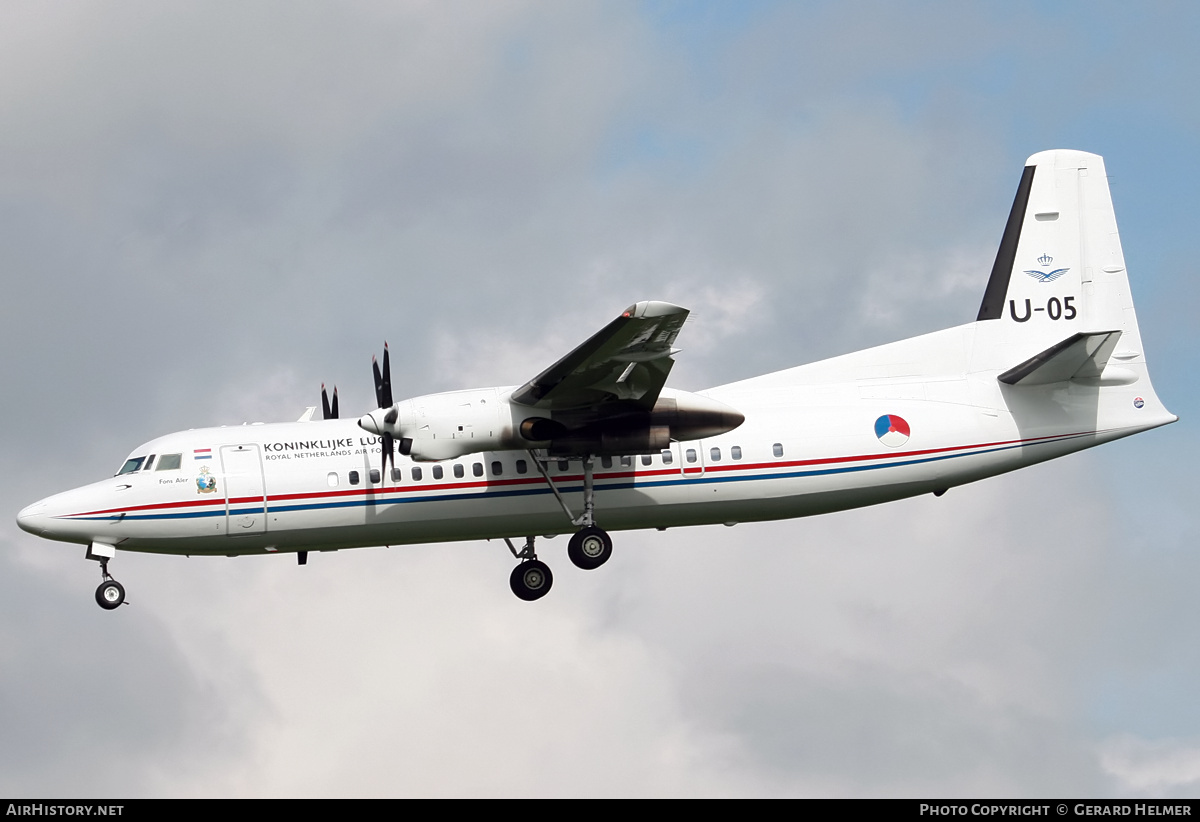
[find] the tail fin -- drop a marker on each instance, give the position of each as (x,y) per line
(1057,310)
(1059,271)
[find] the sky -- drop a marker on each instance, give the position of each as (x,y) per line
(206,211)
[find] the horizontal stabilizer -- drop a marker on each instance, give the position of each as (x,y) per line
(1081,356)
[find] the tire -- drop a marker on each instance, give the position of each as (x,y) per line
(531,580)
(590,548)
(110,595)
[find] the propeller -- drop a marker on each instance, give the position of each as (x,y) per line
(330,411)
(383,381)
(383,395)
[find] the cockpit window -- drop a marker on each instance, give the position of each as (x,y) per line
(169,462)
(132,464)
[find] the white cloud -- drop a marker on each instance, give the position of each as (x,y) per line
(1168,767)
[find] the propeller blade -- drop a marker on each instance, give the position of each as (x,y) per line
(383,395)
(388,453)
(328,412)
(387,379)
(378,382)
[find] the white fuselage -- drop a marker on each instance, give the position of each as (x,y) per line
(809,445)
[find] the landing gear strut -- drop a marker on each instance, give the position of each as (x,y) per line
(591,546)
(110,594)
(532,578)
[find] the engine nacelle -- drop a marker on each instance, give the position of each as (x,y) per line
(448,425)
(678,415)
(455,423)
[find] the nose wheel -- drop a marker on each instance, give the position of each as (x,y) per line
(110,594)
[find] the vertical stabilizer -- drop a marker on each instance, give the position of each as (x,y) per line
(1059,270)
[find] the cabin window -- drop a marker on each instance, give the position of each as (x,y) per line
(397,474)
(690,456)
(736,452)
(477,469)
(777,449)
(331,478)
(522,466)
(458,470)
(169,462)
(668,457)
(437,472)
(132,464)
(374,475)
(606,462)
(715,453)
(354,478)
(497,468)
(627,461)
(646,459)
(149,462)
(416,473)
(563,465)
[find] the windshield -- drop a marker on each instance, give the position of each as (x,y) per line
(132,464)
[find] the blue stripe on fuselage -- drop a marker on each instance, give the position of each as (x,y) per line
(698,479)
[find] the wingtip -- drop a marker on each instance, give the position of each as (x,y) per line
(653,308)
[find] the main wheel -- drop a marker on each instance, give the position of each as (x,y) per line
(590,548)
(531,580)
(110,594)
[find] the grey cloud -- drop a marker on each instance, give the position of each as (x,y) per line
(101,707)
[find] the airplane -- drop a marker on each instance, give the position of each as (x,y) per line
(1052,364)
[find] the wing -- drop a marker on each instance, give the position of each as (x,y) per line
(628,361)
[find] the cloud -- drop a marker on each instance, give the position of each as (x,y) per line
(1153,768)
(106,707)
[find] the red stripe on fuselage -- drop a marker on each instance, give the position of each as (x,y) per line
(567,478)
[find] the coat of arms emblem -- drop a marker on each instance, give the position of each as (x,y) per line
(205,483)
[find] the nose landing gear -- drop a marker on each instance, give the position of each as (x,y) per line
(110,594)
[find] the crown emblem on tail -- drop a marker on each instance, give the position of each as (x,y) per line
(1046,276)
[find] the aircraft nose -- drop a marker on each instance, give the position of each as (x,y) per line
(32,518)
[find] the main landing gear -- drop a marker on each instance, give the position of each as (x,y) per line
(589,548)
(111,594)
(532,578)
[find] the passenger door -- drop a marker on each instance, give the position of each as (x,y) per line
(245,491)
